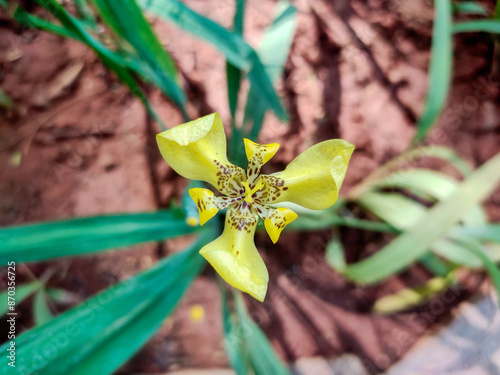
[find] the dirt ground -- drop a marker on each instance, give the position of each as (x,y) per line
(77,143)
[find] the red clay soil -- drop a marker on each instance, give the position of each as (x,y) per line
(357,70)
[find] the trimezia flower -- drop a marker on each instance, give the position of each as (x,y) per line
(197,150)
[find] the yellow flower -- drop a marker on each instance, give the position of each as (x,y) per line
(197,150)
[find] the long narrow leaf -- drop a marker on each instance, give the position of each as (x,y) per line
(487,26)
(236,50)
(236,348)
(439,70)
(36,242)
(262,355)
(411,245)
(41,310)
(72,27)
(126,19)
(21,293)
(100,335)
(233,74)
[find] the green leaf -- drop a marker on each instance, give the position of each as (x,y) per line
(262,355)
(407,160)
(126,19)
(486,232)
(425,183)
(36,242)
(100,335)
(21,293)
(236,348)
(439,70)
(77,30)
(492,269)
(335,255)
(3,3)
(233,74)
(470,7)
(41,310)
(232,45)
(414,243)
(273,53)
(487,26)
(394,208)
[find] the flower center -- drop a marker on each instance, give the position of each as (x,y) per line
(249,191)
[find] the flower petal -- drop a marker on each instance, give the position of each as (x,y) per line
(197,150)
(235,257)
(257,156)
(277,220)
(208,204)
(313,179)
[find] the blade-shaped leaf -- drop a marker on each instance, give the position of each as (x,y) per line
(21,293)
(470,7)
(490,267)
(232,45)
(425,183)
(76,29)
(414,243)
(41,310)
(126,19)
(487,26)
(236,348)
(233,74)
(440,68)
(98,336)
(36,242)
(262,354)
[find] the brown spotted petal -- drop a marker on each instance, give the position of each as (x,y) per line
(235,257)
(197,150)
(313,179)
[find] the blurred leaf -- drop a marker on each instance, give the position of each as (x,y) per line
(487,26)
(407,161)
(233,74)
(394,208)
(22,292)
(100,335)
(411,297)
(414,243)
(232,45)
(273,53)
(41,311)
(403,213)
(486,232)
(492,269)
(237,351)
(335,252)
(262,355)
(34,242)
(5,100)
(62,296)
(73,28)
(440,68)
(435,265)
(470,7)
(85,12)
(3,3)
(126,19)
(426,182)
